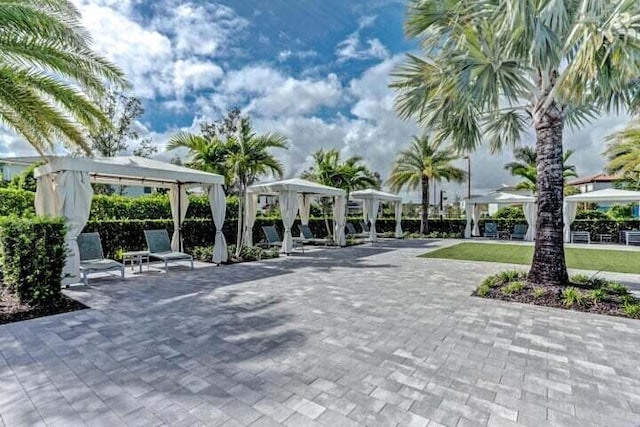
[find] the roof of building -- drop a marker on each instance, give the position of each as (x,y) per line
(601,177)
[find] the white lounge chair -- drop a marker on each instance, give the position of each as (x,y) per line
(160,248)
(92,258)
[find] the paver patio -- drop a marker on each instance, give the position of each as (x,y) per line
(363,335)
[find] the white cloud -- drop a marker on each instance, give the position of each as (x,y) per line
(354,48)
(287,54)
(194,75)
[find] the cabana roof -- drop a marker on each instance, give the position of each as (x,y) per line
(606,195)
(128,170)
(375,194)
(500,197)
(297,185)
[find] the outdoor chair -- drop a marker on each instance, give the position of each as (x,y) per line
(306,235)
(365,227)
(491,230)
(580,237)
(92,258)
(160,248)
(519,232)
(273,238)
(351,232)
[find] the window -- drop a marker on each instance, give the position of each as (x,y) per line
(147,190)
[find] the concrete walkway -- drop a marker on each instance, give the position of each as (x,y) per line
(335,337)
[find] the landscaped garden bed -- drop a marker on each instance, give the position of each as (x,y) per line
(12,310)
(588,294)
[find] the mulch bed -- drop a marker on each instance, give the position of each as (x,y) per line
(553,298)
(11,310)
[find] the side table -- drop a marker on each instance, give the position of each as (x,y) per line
(135,257)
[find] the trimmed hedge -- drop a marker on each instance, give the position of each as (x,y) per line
(32,256)
(17,202)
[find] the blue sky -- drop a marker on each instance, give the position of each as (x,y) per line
(316,71)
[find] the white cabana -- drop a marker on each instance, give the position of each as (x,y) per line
(295,195)
(371,205)
(64,189)
(472,208)
(607,195)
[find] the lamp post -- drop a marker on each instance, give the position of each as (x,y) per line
(468,159)
(442,198)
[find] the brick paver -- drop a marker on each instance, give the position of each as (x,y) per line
(356,336)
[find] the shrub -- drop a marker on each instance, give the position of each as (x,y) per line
(32,255)
(484,290)
(597,295)
(492,282)
(580,279)
(572,297)
(591,214)
(203,253)
(617,289)
(513,288)
(632,310)
(17,202)
(510,212)
(512,275)
(539,292)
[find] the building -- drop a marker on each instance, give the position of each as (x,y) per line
(600,181)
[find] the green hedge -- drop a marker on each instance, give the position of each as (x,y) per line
(32,256)
(16,202)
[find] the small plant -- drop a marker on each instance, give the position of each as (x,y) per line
(572,297)
(597,282)
(539,292)
(491,282)
(203,253)
(580,279)
(513,288)
(483,290)
(512,275)
(628,299)
(617,289)
(632,310)
(597,295)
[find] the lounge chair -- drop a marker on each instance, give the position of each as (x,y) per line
(519,232)
(160,248)
(491,230)
(365,227)
(580,236)
(273,238)
(306,236)
(92,258)
(351,232)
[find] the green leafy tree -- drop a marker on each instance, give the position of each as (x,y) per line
(525,167)
(145,149)
(113,138)
(423,162)
(51,79)
(348,175)
(232,149)
(493,69)
(623,155)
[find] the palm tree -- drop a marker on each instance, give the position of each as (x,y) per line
(623,154)
(493,68)
(350,175)
(525,167)
(241,157)
(51,79)
(424,161)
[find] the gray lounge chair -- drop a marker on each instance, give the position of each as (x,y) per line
(306,235)
(92,258)
(491,230)
(273,238)
(351,232)
(160,248)
(519,232)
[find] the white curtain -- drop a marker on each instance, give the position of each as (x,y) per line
(74,195)
(530,216)
(218,204)
(304,204)
(372,213)
(570,211)
(46,201)
(468,208)
(365,209)
(178,193)
(399,220)
(475,216)
(288,211)
(250,211)
(339,220)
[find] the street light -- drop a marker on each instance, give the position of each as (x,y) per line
(468,159)
(442,198)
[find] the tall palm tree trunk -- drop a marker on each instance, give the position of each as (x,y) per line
(424,216)
(549,267)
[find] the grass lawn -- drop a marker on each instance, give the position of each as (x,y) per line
(584,259)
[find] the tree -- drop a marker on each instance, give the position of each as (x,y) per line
(525,167)
(348,175)
(423,162)
(491,69)
(112,138)
(231,148)
(623,155)
(145,149)
(51,79)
